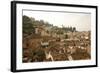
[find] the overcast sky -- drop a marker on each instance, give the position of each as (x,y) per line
(81,21)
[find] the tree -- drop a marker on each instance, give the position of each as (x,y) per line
(66,36)
(74,29)
(41,22)
(27,25)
